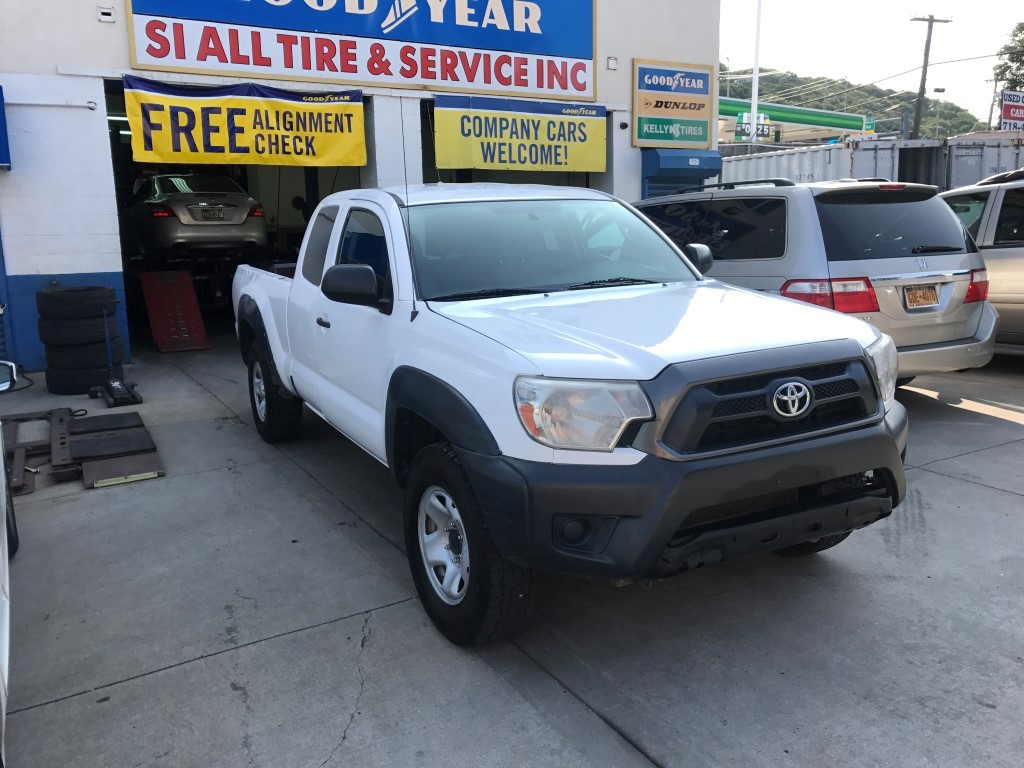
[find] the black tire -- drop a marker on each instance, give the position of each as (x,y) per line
(12,525)
(281,417)
(70,333)
(78,381)
(812,547)
(75,303)
(499,596)
(904,382)
(85,355)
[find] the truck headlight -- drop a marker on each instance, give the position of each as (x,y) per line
(579,415)
(885,361)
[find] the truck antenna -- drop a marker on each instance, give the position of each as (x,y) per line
(405,214)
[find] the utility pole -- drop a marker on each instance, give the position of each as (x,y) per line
(932,21)
(755,82)
(992,105)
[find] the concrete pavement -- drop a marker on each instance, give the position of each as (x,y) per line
(254,608)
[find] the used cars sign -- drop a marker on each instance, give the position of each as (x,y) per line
(524,47)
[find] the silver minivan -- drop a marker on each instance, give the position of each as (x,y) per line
(893,254)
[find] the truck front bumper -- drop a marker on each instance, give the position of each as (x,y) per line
(660,517)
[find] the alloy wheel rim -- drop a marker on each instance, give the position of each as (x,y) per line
(443,545)
(259,391)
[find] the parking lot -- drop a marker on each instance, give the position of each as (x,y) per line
(254,608)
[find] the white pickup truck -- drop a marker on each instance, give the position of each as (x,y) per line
(558,388)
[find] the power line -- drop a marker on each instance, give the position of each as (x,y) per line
(906,72)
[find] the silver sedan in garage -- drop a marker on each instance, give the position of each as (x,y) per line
(180,213)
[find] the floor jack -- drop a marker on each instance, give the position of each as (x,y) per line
(115,391)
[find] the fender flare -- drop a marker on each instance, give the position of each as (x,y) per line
(442,405)
(249,314)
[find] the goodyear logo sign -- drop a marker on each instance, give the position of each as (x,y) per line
(672,105)
(246,124)
(526,47)
(504,134)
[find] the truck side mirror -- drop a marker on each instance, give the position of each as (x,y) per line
(351,284)
(8,375)
(700,256)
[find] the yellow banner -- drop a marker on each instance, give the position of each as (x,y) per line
(503,134)
(247,124)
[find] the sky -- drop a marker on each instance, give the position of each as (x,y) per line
(867,41)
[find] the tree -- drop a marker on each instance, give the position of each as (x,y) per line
(1010,69)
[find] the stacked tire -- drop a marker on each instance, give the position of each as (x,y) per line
(74,326)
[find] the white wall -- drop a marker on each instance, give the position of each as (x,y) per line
(57,202)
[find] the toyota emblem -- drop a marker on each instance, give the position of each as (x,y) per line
(792,400)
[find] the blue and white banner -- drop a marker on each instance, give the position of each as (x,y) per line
(515,47)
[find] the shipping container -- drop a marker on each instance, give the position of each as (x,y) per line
(944,163)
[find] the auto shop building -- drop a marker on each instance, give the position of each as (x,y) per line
(294,99)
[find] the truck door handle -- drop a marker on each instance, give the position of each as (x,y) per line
(323,322)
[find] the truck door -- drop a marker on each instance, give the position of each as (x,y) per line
(352,342)
(304,303)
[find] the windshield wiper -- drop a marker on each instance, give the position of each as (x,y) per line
(488,293)
(611,281)
(937,249)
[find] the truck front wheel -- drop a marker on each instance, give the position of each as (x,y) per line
(470,592)
(277,417)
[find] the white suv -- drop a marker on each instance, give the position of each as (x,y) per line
(889,253)
(993,212)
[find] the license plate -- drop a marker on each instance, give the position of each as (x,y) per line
(921,296)
(211,214)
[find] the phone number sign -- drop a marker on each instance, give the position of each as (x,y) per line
(672,105)
(1013,111)
(514,47)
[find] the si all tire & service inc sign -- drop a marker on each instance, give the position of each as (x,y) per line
(542,48)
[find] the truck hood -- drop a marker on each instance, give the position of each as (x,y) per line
(635,332)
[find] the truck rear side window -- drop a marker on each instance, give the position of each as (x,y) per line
(316,245)
(888,225)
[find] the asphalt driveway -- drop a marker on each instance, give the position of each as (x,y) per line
(254,608)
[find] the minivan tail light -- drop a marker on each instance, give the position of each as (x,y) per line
(854,296)
(978,289)
(850,295)
(257,211)
(892,187)
(161,211)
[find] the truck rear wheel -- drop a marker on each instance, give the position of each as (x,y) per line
(811,547)
(470,592)
(277,416)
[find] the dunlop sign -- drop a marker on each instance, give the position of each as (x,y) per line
(672,105)
(505,134)
(246,124)
(536,48)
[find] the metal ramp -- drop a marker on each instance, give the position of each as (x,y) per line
(173,310)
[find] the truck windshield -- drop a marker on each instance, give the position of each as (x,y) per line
(495,248)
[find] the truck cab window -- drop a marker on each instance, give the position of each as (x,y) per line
(364,242)
(316,248)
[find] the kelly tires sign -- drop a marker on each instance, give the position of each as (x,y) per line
(507,134)
(672,105)
(524,47)
(246,124)
(1013,111)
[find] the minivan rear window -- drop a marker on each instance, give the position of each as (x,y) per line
(888,225)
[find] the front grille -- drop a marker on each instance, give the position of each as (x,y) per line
(737,413)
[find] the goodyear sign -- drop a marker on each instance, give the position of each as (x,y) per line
(523,47)
(246,124)
(504,134)
(672,105)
